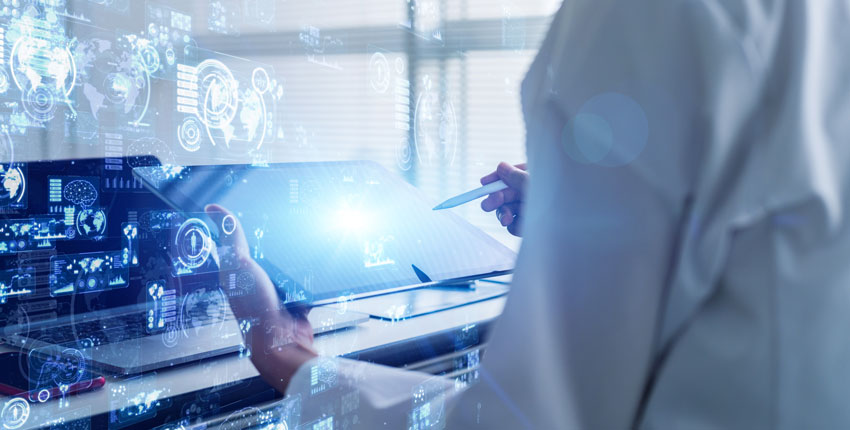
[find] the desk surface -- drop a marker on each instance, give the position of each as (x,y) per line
(371,341)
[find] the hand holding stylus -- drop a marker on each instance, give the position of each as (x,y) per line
(508,203)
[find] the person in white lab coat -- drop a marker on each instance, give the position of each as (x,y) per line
(686,232)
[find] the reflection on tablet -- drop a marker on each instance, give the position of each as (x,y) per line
(323,230)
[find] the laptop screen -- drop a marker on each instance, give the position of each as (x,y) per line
(327,230)
(85,235)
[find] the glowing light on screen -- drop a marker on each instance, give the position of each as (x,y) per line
(351,220)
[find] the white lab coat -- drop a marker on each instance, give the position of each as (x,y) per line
(704,283)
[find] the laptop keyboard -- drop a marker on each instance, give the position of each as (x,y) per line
(110,330)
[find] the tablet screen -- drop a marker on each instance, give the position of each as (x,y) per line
(334,229)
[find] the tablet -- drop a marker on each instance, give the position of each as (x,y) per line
(331,230)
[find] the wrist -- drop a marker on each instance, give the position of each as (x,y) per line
(279,366)
(278,353)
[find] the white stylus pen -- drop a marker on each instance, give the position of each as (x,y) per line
(471,195)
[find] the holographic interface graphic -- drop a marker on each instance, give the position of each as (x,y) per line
(101,274)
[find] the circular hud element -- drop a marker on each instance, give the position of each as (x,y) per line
(171,335)
(189,134)
(150,57)
(404,156)
(228,224)
(260,80)
(40,103)
(15,413)
(43,395)
(379,69)
(91,223)
(219,93)
(13,185)
(193,243)
(39,59)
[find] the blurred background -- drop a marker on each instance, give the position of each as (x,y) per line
(429,89)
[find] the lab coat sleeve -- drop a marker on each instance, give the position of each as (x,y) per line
(577,343)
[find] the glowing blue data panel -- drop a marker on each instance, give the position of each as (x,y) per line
(58,366)
(87,273)
(224,102)
(429,406)
(18,235)
(136,399)
(13,187)
(77,191)
(336,228)
(130,244)
(192,246)
(162,306)
(16,283)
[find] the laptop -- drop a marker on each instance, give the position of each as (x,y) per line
(90,263)
(326,233)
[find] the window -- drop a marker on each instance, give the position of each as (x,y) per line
(355,72)
(351,78)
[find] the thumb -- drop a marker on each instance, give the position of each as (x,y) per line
(512,176)
(232,239)
(235,255)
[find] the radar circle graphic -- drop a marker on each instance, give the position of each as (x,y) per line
(220,93)
(435,129)
(43,395)
(379,69)
(70,367)
(40,103)
(260,80)
(150,58)
(189,134)
(228,224)
(404,156)
(193,243)
(171,335)
(15,413)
